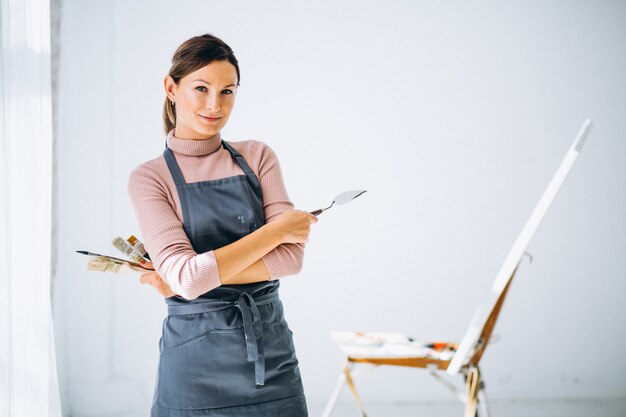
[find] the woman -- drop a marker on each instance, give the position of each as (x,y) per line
(220,230)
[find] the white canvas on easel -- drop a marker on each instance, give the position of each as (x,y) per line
(470,341)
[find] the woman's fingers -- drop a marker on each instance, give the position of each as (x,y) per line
(165,290)
(157,282)
(146,264)
(295,225)
(147,278)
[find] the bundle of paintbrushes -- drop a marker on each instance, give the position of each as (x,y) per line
(132,248)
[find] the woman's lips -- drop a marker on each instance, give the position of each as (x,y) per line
(210,119)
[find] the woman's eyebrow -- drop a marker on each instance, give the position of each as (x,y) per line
(229,85)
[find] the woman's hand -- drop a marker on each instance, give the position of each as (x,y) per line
(294,226)
(156,281)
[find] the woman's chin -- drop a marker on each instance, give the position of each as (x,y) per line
(208,132)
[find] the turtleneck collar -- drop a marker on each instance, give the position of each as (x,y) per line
(194,147)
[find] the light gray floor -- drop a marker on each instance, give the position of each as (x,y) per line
(530,408)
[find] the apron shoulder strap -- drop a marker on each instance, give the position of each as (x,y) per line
(238,158)
(242,163)
(177,175)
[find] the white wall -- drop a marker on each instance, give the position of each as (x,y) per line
(453,115)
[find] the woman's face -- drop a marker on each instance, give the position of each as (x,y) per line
(203,100)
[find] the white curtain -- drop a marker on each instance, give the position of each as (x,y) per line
(28,377)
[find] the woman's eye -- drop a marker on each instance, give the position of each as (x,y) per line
(227,91)
(200,87)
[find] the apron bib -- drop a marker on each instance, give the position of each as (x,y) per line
(230,351)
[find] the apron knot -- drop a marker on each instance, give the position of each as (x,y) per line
(253,332)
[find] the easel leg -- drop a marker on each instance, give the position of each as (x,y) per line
(482,401)
(346,370)
(335,396)
(472,384)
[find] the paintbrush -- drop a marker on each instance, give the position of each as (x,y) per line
(104,264)
(137,245)
(127,249)
(114,260)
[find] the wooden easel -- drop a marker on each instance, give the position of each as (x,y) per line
(474,394)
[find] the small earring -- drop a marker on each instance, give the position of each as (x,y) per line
(172,102)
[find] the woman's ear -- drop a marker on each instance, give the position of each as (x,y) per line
(170,87)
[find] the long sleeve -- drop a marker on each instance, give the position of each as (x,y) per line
(188,274)
(287,258)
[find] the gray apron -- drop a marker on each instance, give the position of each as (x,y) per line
(228,352)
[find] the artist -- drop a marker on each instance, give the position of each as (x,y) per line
(220,230)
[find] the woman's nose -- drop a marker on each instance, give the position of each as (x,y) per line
(213,102)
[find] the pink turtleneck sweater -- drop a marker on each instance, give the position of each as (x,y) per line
(153,194)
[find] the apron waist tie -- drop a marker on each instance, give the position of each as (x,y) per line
(253,334)
(252,324)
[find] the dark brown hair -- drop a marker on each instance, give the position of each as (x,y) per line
(190,56)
